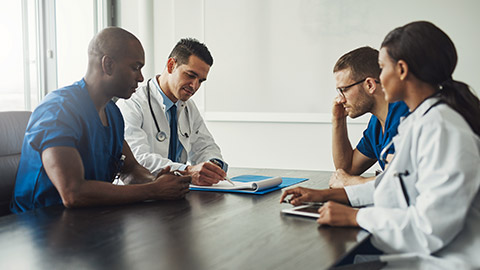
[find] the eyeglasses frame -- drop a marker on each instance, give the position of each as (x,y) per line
(341,90)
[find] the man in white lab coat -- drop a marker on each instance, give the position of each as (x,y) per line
(360,92)
(164,127)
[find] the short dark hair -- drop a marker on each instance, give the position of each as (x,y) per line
(188,46)
(363,62)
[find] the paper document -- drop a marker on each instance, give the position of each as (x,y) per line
(253,186)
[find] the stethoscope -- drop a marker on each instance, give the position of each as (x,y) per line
(397,174)
(161,135)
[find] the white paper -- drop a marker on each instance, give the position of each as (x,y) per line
(250,186)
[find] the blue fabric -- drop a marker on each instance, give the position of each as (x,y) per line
(374,140)
(67,117)
(168,104)
(172,148)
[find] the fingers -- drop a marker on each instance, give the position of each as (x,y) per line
(185,179)
(337,100)
(207,173)
(288,192)
(299,195)
(215,169)
(323,214)
(163,171)
(335,182)
(336,214)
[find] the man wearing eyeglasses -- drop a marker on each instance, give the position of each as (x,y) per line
(359,92)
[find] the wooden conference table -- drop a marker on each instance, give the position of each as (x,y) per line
(207,230)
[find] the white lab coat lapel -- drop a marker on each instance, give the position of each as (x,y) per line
(184,128)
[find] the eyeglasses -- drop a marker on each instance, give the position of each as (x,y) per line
(341,90)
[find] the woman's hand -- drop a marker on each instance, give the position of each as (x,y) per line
(301,194)
(336,214)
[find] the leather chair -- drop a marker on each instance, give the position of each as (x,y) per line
(12,131)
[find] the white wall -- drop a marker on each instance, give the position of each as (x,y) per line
(268,95)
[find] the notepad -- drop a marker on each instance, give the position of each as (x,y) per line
(253,184)
(246,186)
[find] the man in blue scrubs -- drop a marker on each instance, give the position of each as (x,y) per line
(359,92)
(74,144)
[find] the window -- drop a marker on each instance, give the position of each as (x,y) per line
(15,58)
(73,38)
(45,46)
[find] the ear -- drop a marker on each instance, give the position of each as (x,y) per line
(171,64)
(371,85)
(108,65)
(402,69)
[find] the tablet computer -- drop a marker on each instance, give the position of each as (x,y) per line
(309,210)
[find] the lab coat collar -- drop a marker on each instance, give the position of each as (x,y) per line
(424,106)
(165,100)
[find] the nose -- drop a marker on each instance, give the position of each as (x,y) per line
(140,77)
(195,84)
(341,98)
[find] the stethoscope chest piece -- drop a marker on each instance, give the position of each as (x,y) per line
(161,136)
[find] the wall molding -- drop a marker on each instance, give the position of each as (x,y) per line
(268,117)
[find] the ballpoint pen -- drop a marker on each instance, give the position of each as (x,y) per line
(214,161)
(229,180)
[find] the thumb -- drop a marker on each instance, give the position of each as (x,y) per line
(164,171)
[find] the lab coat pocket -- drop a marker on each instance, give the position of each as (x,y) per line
(404,182)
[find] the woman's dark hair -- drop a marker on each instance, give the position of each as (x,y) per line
(432,57)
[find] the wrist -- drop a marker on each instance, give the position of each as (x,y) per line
(188,169)
(339,121)
(353,220)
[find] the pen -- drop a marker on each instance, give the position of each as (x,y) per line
(216,162)
(177,173)
(230,181)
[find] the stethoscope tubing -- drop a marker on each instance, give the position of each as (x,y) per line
(161,136)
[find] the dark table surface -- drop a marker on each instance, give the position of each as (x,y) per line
(207,230)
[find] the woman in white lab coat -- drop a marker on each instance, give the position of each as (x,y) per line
(424,209)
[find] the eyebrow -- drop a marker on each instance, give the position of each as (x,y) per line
(196,74)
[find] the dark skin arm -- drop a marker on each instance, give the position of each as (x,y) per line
(132,172)
(301,194)
(64,167)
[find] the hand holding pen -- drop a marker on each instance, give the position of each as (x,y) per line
(216,162)
(206,173)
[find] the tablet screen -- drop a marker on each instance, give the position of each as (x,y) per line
(309,209)
(303,210)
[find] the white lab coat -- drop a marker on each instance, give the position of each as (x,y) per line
(140,131)
(440,228)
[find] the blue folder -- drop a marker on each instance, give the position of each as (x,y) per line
(286,182)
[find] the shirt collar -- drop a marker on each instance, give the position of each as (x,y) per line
(166,101)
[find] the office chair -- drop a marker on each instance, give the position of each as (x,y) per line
(12,131)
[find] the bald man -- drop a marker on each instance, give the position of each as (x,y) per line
(74,144)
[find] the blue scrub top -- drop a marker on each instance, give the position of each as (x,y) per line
(67,117)
(374,140)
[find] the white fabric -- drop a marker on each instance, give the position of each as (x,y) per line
(440,227)
(140,131)
(360,195)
